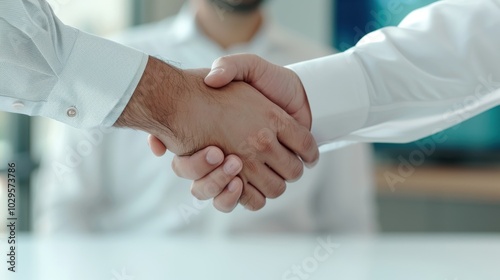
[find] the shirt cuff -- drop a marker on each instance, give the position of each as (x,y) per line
(97,81)
(337,94)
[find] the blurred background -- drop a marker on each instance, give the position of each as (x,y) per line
(451,185)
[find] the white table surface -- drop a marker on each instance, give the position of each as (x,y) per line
(406,257)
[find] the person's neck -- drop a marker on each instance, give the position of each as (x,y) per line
(226,28)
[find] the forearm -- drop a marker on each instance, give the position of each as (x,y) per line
(438,68)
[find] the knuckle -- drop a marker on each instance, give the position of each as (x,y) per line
(220,178)
(308,142)
(264,142)
(251,167)
(247,150)
(196,192)
(253,200)
(276,189)
(223,206)
(254,56)
(221,60)
(257,63)
(246,199)
(211,189)
(259,204)
(278,122)
(186,172)
(296,170)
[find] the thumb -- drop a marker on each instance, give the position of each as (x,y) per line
(272,81)
(221,74)
(280,85)
(240,67)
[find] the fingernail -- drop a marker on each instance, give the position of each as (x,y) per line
(231,167)
(215,71)
(214,157)
(233,186)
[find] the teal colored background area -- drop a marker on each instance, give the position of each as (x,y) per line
(401,9)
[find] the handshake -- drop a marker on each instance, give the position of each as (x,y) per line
(239,131)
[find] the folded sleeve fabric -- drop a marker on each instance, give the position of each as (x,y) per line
(56,71)
(439,67)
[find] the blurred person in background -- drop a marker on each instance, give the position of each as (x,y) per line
(91,181)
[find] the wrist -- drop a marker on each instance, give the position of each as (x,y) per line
(169,103)
(151,107)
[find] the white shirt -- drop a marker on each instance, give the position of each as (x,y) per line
(111,181)
(440,67)
(56,71)
(53,70)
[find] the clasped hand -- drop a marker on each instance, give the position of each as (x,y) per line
(251,145)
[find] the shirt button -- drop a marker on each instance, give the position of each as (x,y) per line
(71,112)
(18,105)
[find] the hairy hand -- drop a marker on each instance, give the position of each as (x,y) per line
(187,116)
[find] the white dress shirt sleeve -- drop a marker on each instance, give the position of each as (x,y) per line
(56,71)
(439,67)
